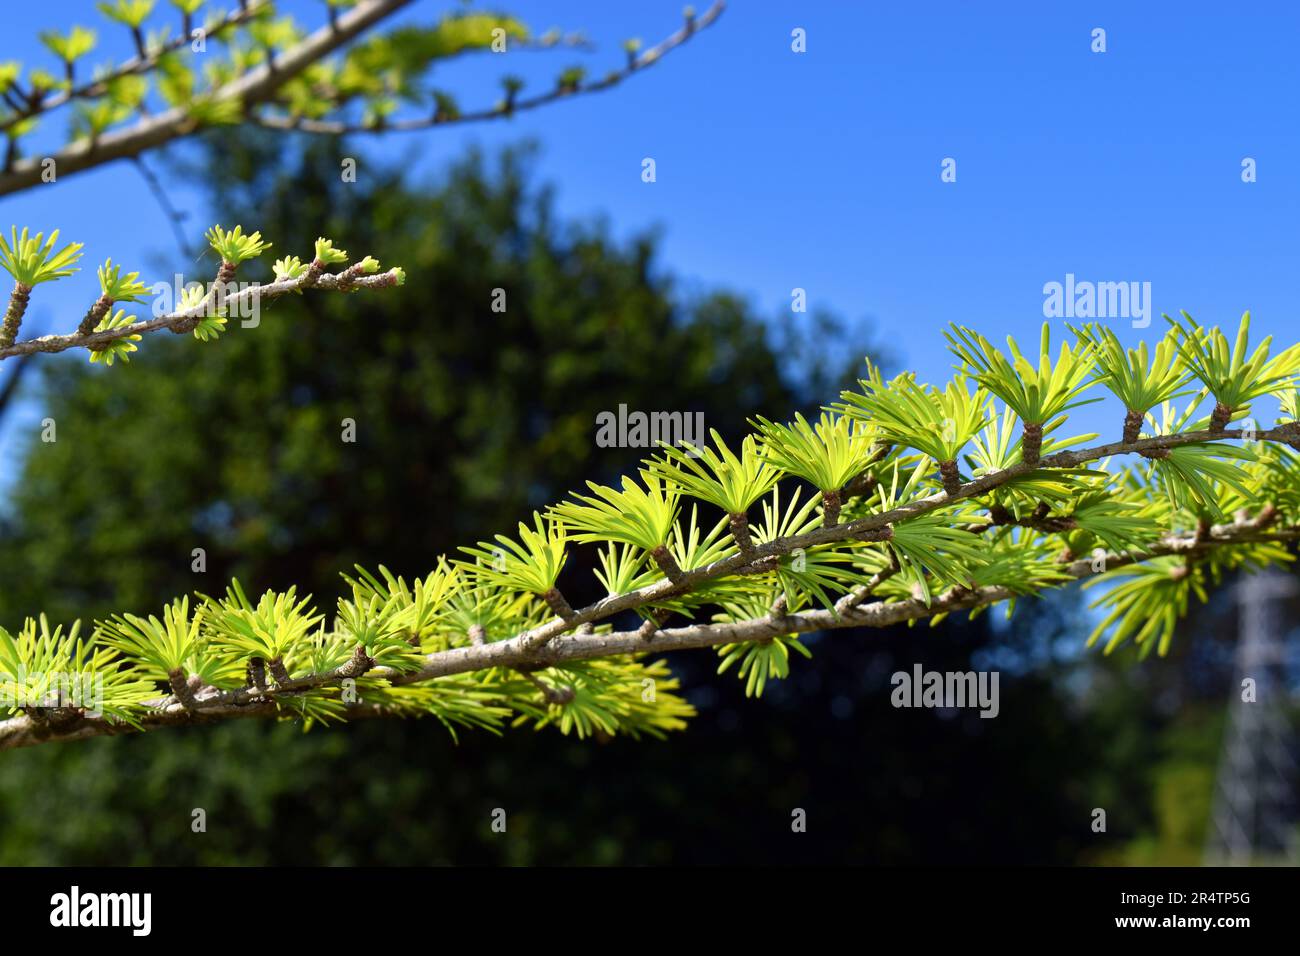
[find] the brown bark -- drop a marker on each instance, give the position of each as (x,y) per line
(557,603)
(95,315)
(740,531)
(1290,433)
(1132,426)
(831,508)
(180,686)
(651,625)
(252,88)
(1267,516)
(517,653)
(950,477)
(357,664)
(1031,444)
(215,300)
(281,673)
(1220,417)
(667,563)
(13,320)
(171,321)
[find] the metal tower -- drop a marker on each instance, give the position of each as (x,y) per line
(1255,807)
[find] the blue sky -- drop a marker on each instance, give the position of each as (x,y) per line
(821,170)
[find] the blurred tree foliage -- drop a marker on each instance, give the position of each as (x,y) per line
(466,419)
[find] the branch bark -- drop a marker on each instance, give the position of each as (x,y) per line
(136,66)
(255,87)
(329,282)
(519,654)
(256,92)
(326,127)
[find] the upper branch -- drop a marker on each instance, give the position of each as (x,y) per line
(506,109)
(183,319)
(138,65)
(254,87)
(851,530)
(270,95)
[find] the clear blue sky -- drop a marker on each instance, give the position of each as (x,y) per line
(822,170)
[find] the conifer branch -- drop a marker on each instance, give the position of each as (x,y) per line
(270,94)
(137,65)
(504,110)
(97,332)
(248,90)
(903,552)
(851,530)
(28,731)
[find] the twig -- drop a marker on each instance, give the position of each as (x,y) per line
(254,87)
(272,290)
(438,118)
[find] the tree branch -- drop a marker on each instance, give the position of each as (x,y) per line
(136,66)
(584,646)
(610,80)
(345,281)
(252,88)
(856,529)
(258,88)
(585,635)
